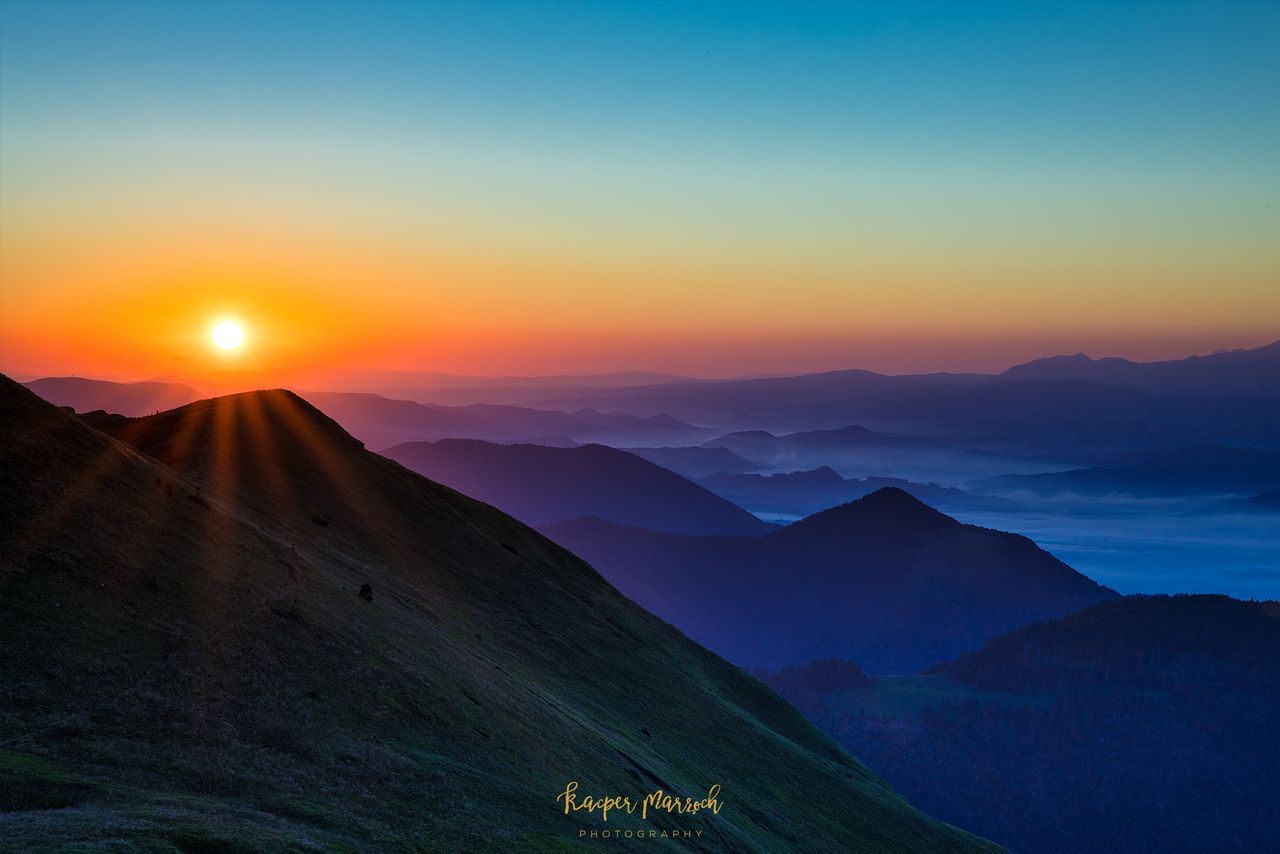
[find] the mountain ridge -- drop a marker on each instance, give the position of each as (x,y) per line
(540,485)
(885,581)
(194,662)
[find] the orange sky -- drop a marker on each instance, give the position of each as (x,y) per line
(137,306)
(811,200)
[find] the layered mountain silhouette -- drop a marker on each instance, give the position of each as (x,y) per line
(1178,471)
(885,581)
(382,422)
(1226,398)
(538,484)
(693,461)
(86,395)
(1255,371)
(244,632)
(729,401)
(1141,724)
(763,445)
(461,390)
(801,493)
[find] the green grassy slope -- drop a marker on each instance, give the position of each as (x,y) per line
(187,665)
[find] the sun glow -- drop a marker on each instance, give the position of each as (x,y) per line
(228,335)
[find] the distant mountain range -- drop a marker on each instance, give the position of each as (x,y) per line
(1243,372)
(86,395)
(776,450)
(885,581)
(802,493)
(381,422)
(404,384)
(1029,409)
(693,461)
(463,390)
(1141,724)
(539,484)
(1063,405)
(245,632)
(1179,471)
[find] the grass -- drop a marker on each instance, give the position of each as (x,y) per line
(156,690)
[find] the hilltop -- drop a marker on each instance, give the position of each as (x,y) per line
(257,635)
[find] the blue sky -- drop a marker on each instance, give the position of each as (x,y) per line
(910,154)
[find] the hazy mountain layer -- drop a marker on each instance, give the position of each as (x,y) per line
(539,484)
(801,493)
(383,422)
(86,395)
(1206,469)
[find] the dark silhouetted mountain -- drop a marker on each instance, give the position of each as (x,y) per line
(885,581)
(85,395)
(801,493)
(693,462)
(280,641)
(1142,724)
(1245,372)
(382,422)
(1180,471)
(538,485)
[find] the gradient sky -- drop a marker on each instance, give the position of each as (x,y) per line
(710,189)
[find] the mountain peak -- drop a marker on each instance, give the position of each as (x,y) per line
(248,446)
(895,501)
(886,512)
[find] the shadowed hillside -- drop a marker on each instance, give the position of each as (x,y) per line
(1143,724)
(538,485)
(885,581)
(193,660)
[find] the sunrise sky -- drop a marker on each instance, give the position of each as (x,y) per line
(708,189)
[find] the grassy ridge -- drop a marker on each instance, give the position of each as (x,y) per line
(188,663)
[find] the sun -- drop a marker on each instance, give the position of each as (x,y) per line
(228,335)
